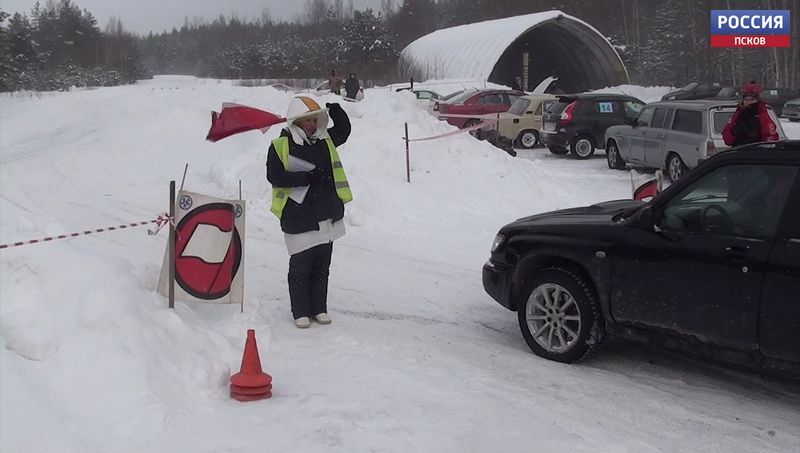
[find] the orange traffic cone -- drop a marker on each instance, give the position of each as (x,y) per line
(251,383)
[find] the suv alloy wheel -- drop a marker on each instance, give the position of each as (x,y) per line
(675,167)
(613,158)
(560,317)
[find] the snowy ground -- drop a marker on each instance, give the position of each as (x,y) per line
(418,358)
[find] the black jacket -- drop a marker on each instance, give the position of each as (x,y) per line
(321,201)
(351,87)
(748,126)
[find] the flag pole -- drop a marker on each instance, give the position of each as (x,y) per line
(242,267)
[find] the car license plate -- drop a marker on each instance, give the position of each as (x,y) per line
(549,126)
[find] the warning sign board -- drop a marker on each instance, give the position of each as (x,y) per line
(209,250)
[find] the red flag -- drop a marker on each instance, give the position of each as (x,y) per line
(235,118)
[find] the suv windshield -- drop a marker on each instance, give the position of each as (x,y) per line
(519,107)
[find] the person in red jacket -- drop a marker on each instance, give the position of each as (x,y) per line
(751,122)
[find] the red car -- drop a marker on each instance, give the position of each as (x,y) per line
(476,103)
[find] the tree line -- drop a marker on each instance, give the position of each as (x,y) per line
(58,45)
(664,43)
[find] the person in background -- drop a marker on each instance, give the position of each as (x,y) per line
(351,87)
(335,83)
(750,122)
(311,224)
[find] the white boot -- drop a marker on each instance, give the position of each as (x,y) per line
(302,323)
(323,318)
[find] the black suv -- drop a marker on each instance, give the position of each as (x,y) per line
(578,122)
(775,97)
(712,264)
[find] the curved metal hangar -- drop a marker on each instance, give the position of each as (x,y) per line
(518,52)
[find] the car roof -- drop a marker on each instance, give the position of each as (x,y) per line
(498,90)
(596,96)
(764,151)
(696,103)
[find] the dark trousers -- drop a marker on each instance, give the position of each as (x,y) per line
(308,281)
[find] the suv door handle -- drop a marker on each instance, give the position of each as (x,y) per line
(662,134)
(737,252)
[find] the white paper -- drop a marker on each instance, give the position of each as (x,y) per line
(298,194)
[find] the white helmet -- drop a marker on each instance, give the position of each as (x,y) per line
(301,107)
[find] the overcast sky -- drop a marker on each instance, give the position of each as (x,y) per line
(142,16)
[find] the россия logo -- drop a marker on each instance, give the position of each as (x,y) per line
(750,28)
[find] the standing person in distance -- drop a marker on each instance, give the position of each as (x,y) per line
(750,122)
(311,225)
(351,87)
(335,83)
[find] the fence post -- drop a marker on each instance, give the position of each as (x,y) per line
(408,164)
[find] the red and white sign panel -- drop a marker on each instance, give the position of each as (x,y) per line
(209,250)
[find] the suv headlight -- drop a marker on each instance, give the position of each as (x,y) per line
(498,241)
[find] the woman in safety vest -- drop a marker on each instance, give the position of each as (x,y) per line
(309,190)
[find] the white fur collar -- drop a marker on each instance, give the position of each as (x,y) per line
(299,135)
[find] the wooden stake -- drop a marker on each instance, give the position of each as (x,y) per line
(408,163)
(171,246)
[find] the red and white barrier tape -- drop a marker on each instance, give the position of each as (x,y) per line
(160,222)
(480,125)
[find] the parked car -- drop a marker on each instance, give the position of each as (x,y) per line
(435,104)
(283,87)
(521,123)
(577,123)
(479,103)
(791,110)
(711,264)
(423,96)
(774,97)
(674,135)
(324,88)
(694,90)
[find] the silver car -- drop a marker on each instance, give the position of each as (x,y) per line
(673,135)
(791,110)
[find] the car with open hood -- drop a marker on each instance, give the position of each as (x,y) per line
(711,265)
(521,123)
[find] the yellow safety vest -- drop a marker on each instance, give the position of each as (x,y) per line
(280,195)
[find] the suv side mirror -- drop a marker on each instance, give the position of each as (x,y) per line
(645,219)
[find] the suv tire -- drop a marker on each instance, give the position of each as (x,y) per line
(557,151)
(675,167)
(528,139)
(559,316)
(582,146)
(613,157)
